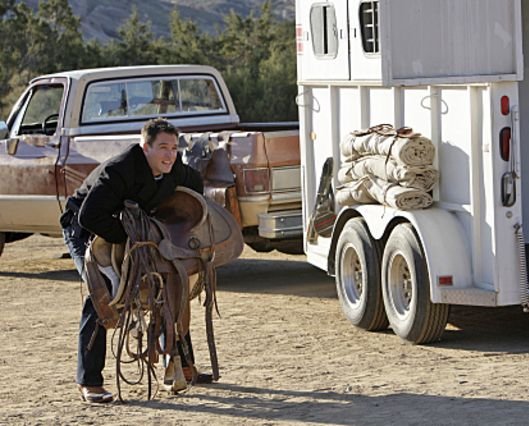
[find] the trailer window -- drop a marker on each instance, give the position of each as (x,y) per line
(369,26)
(324,30)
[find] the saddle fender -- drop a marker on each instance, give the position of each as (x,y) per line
(226,196)
(441,235)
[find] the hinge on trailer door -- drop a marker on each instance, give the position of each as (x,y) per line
(508,189)
(508,179)
(522,263)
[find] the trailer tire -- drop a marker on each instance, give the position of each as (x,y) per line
(406,289)
(2,242)
(358,277)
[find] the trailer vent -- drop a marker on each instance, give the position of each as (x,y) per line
(369,26)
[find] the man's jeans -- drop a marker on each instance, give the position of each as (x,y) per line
(90,363)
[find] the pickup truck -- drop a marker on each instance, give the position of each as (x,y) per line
(64,124)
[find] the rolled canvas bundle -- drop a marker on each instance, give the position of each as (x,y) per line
(420,177)
(410,149)
(387,166)
(374,190)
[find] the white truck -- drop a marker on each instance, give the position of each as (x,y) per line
(452,70)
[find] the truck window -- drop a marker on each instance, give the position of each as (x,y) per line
(369,26)
(199,95)
(147,98)
(324,30)
(40,112)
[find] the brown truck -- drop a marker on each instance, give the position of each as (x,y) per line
(65,124)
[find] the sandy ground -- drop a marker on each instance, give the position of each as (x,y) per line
(287,354)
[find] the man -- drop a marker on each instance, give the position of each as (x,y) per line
(145,173)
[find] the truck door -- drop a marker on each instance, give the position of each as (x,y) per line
(28,181)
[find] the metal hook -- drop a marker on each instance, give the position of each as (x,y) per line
(315,104)
(443,103)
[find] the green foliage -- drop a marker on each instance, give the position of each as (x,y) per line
(136,43)
(187,45)
(259,65)
(255,54)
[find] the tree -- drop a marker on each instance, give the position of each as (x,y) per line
(278,76)
(258,60)
(187,44)
(13,20)
(136,45)
(255,54)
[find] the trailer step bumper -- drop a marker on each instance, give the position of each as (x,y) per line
(469,296)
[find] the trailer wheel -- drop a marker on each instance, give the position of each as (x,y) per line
(406,289)
(2,242)
(358,277)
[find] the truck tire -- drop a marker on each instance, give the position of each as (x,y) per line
(9,237)
(406,289)
(358,277)
(291,247)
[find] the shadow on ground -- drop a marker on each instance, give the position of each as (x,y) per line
(330,407)
(491,330)
(291,277)
(488,330)
(61,275)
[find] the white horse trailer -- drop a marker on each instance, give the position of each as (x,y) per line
(452,70)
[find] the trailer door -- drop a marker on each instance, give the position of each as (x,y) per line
(450,41)
(324,41)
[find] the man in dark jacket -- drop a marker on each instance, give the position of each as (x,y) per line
(145,173)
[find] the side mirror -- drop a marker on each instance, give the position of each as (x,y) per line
(12,146)
(4,131)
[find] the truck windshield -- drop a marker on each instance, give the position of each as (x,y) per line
(131,99)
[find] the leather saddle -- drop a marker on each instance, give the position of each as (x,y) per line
(187,230)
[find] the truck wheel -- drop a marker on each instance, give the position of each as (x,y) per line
(406,289)
(260,247)
(291,247)
(2,242)
(358,277)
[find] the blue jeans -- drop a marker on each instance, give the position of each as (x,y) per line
(90,363)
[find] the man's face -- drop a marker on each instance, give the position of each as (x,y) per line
(161,155)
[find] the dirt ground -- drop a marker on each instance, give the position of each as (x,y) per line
(287,355)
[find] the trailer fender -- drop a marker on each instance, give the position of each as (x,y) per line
(441,235)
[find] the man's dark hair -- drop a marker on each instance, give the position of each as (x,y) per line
(153,127)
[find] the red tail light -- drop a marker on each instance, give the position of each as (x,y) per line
(257,180)
(445,280)
(505,105)
(505,143)
(299,39)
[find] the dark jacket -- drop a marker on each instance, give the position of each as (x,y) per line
(126,176)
